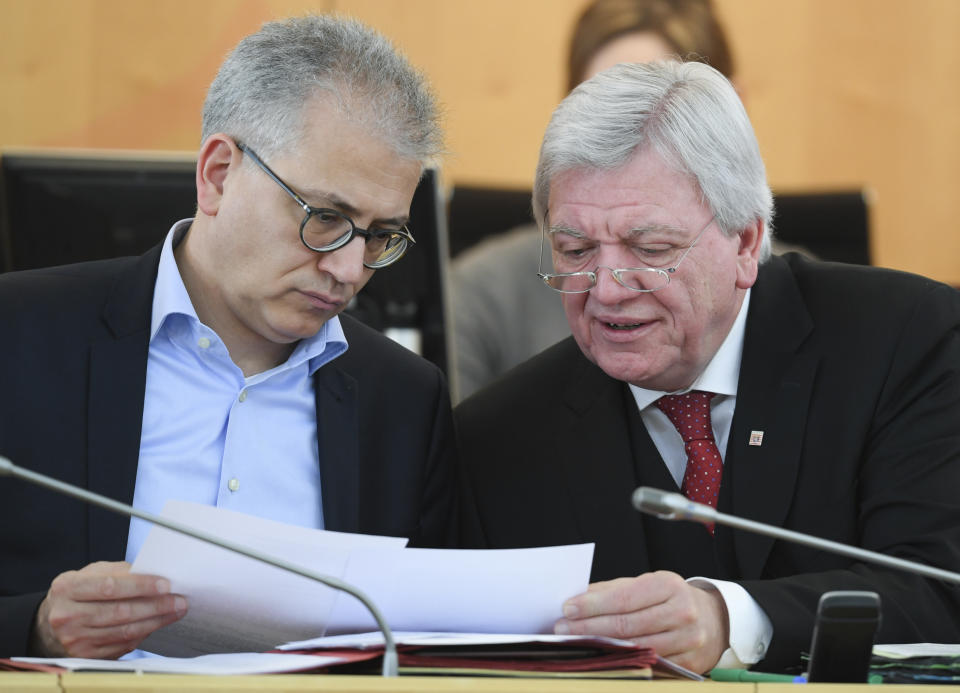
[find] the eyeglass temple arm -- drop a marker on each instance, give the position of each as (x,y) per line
(276,179)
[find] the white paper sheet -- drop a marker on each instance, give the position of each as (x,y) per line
(237,604)
(917,649)
(488,591)
(235,663)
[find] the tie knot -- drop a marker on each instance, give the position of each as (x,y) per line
(689,413)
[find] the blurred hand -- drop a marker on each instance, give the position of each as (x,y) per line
(102,611)
(685,624)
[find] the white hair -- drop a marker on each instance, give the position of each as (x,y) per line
(260,91)
(687,112)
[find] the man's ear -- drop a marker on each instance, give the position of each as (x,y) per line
(748,253)
(218,153)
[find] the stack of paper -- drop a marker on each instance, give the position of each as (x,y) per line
(490,654)
(915,663)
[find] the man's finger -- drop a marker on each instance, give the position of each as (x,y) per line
(83,586)
(623,595)
(106,614)
(630,625)
(114,641)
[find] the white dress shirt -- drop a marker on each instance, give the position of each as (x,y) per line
(750,627)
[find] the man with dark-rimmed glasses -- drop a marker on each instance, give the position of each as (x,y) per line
(217,367)
(814,396)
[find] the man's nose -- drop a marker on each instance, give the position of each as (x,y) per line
(345,264)
(608,290)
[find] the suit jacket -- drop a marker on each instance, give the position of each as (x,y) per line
(73,357)
(852,374)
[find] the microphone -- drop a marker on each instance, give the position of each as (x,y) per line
(674,506)
(8,468)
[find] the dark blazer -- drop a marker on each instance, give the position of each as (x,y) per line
(73,357)
(853,375)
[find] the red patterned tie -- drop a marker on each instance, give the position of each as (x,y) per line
(690,413)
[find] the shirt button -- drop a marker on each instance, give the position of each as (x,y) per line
(203,343)
(233,484)
(243,396)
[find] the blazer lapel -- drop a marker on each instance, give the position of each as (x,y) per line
(776,382)
(118,369)
(337,439)
(593,447)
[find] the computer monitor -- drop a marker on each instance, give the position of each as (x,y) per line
(62,207)
(833,225)
(476,212)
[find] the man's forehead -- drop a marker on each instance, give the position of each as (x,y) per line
(590,203)
(624,222)
(351,164)
(645,177)
(318,197)
(384,193)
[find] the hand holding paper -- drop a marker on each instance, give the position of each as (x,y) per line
(103,611)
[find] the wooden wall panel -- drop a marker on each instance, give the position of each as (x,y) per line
(862,93)
(495,65)
(859,93)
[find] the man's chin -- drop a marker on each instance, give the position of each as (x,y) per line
(628,369)
(639,371)
(302,329)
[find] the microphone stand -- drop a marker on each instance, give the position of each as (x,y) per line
(674,506)
(7,468)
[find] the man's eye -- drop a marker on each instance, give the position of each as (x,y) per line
(328,218)
(653,251)
(382,237)
(573,257)
(573,251)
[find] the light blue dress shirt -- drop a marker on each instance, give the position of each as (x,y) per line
(211,435)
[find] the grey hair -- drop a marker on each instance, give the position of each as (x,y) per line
(687,112)
(259,93)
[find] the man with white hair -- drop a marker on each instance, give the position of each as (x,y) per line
(819,397)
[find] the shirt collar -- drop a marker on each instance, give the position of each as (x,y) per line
(170,298)
(722,372)
(169,294)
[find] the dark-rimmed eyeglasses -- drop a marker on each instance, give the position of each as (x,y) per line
(324,230)
(642,279)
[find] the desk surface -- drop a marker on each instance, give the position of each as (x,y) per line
(15,682)
(175,683)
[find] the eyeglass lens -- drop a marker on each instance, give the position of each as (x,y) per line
(326,230)
(639,279)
